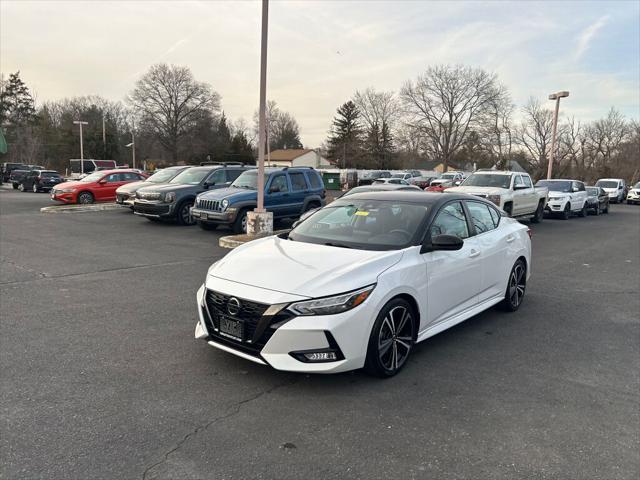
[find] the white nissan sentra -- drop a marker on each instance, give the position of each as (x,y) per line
(360,281)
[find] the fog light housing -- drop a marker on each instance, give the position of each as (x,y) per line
(332,353)
(321,356)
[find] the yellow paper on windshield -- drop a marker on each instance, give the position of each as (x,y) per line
(360,213)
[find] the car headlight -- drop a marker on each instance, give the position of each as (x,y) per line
(224,203)
(68,190)
(494,199)
(169,197)
(331,305)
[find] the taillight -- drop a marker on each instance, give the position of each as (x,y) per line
(529,232)
(38,178)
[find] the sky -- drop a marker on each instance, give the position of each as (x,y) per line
(321,52)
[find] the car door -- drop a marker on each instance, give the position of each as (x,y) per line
(277,197)
(107,190)
(299,191)
(519,196)
(453,277)
(530,198)
(577,196)
(492,245)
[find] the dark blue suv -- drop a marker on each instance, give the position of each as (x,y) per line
(288,192)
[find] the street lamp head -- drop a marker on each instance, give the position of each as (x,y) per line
(555,96)
(129,145)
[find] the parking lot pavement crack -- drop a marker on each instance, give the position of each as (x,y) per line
(234,409)
(23,268)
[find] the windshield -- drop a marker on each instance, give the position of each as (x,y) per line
(555,185)
(488,180)
(248,180)
(191,176)
(449,175)
(637,186)
(363,224)
(93,177)
(163,176)
(398,175)
(607,184)
(592,191)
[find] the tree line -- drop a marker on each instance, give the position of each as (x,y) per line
(462,116)
(169,115)
(453,114)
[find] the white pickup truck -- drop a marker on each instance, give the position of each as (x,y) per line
(512,191)
(565,197)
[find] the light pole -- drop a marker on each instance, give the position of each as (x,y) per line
(555,96)
(263,101)
(81,123)
(132,145)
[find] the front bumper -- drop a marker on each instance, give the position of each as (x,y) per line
(125,199)
(63,197)
(346,333)
(226,217)
(633,197)
(153,209)
(555,206)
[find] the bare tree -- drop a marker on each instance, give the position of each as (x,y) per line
(170,102)
(447,102)
(380,112)
(496,130)
(534,134)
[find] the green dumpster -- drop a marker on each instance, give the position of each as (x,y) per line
(331,180)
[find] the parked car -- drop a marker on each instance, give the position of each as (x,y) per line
(615,187)
(126,194)
(512,191)
(381,187)
(422,181)
(362,280)
(173,200)
(288,193)
(16,177)
(368,177)
(40,181)
(8,167)
(406,176)
(98,186)
(633,197)
(390,181)
(597,200)
(439,187)
(456,178)
(565,197)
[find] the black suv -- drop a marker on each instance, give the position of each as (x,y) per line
(173,200)
(8,167)
(40,181)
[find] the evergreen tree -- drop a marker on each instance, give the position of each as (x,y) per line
(345,141)
(17,107)
(223,139)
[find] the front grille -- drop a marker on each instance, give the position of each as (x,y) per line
(212,205)
(251,313)
(151,209)
(149,195)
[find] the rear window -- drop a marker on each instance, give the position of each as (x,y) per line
(314,180)
(49,174)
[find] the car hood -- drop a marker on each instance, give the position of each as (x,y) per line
(303,269)
(553,194)
(133,187)
(478,190)
(231,193)
(610,190)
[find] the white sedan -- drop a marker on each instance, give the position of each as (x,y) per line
(362,280)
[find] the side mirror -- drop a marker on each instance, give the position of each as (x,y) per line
(274,189)
(443,242)
(574,189)
(102,182)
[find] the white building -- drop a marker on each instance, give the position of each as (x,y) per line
(298,157)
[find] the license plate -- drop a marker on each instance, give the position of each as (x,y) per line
(232,327)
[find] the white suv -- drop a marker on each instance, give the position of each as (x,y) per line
(565,197)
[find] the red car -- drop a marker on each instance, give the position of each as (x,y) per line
(96,187)
(439,188)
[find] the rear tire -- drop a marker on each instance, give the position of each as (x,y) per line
(34,188)
(85,198)
(583,212)
(596,211)
(15,186)
(21,187)
(391,339)
(207,226)
(516,287)
(539,215)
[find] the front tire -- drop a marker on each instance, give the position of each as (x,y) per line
(240,224)
(21,187)
(391,339)
(183,213)
(583,212)
(34,188)
(596,211)
(567,212)
(15,186)
(516,287)
(85,198)
(539,215)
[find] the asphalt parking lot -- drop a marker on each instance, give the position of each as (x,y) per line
(102,378)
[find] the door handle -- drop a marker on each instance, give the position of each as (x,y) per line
(474,254)
(510,238)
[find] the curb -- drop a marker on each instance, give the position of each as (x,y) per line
(233,241)
(98,207)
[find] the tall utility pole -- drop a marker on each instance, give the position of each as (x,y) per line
(263,102)
(81,123)
(554,153)
(104,139)
(132,145)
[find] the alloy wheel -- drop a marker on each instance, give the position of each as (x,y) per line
(395,338)
(517,285)
(21,187)
(185,215)
(85,198)
(34,188)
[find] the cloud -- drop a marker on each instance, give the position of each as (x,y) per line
(585,37)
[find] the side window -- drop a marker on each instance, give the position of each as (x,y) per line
(495,216)
(114,177)
(216,178)
(527,181)
(314,180)
(297,181)
(575,187)
(279,184)
(450,221)
(581,186)
(517,180)
(481,217)
(233,174)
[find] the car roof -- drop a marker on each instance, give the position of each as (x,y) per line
(417,196)
(117,170)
